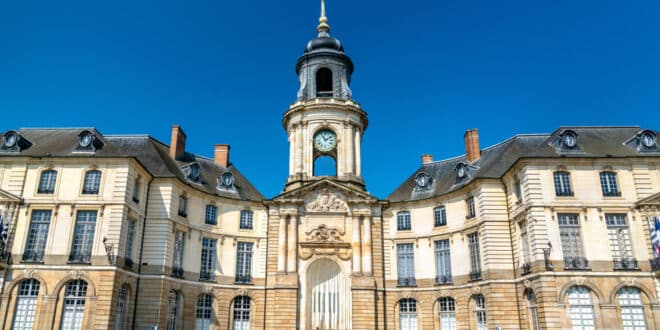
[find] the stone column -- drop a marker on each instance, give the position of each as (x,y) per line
(357,251)
(281,247)
(292,152)
(292,239)
(366,246)
(300,149)
(349,151)
(358,161)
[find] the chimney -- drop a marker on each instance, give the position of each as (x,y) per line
(178,142)
(472,149)
(427,159)
(221,155)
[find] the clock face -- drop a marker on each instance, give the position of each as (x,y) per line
(325,140)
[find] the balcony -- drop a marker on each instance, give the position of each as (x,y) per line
(406,281)
(475,275)
(206,276)
(177,272)
(443,279)
(625,264)
(526,268)
(576,263)
(79,258)
(243,278)
(33,256)
(655,264)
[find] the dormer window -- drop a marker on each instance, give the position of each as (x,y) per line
(648,139)
(461,170)
(569,139)
(193,172)
(324,83)
(88,141)
(226,180)
(423,181)
(15,142)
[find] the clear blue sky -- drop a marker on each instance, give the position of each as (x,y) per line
(425,72)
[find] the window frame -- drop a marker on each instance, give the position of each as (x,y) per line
(576,297)
(470,208)
(609,184)
(208,259)
(475,256)
(85,226)
(183,206)
(91,185)
(630,307)
(480,313)
(244,260)
(37,236)
(211,215)
(75,294)
(565,187)
(246,220)
(47,187)
(405,255)
(442,254)
(25,304)
(403,218)
(447,313)
(204,312)
(408,317)
(241,312)
(440,216)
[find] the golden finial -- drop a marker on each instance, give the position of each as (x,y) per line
(323,21)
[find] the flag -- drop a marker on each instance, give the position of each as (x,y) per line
(655,235)
(3,230)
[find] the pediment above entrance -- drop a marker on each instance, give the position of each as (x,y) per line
(6,196)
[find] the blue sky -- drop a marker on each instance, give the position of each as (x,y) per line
(425,72)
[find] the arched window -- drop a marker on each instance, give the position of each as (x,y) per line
(447,308)
(324,82)
(408,314)
(325,166)
(74,305)
(121,320)
(204,312)
(173,310)
(241,313)
(632,309)
(533,310)
(92,182)
(480,312)
(581,309)
(26,304)
(47,182)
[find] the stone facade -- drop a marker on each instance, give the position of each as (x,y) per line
(125,232)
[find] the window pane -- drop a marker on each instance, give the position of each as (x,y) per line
(37,235)
(581,309)
(406,264)
(120,322)
(83,236)
(440,215)
(403,221)
(26,305)
(244,262)
(47,182)
(408,314)
(443,262)
(475,257)
(208,259)
(211,215)
(632,309)
(246,220)
(92,182)
(130,236)
(242,313)
(447,313)
(608,184)
(562,184)
(204,312)
(74,305)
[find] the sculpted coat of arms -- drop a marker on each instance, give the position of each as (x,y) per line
(327,201)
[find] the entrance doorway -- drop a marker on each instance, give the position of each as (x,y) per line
(328,296)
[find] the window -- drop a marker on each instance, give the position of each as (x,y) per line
(246,219)
(480,312)
(83,237)
(608,184)
(211,215)
(26,305)
(130,236)
(405,254)
(571,241)
(447,313)
(183,206)
(533,310)
(92,182)
(37,236)
(469,203)
(204,312)
(475,257)
(47,182)
(442,262)
(632,309)
(619,237)
(581,310)
(242,313)
(408,314)
(120,317)
(517,190)
(244,263)
(136,190)
(440,216)
(324,83)
(524,247)
(403,220)
(74,305)
(563,184)
(207,272)
(177,254)
(173,310)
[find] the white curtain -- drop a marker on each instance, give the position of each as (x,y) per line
(328,296)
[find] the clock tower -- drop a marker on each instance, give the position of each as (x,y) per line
(324,121)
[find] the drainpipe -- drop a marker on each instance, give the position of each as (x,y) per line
(144,227)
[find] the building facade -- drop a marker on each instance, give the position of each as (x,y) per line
(545,231)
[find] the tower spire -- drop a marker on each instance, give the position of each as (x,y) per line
(323,21)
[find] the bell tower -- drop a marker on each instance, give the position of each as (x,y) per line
(324,121)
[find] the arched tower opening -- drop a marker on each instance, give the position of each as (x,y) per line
(324,83)
(325,165)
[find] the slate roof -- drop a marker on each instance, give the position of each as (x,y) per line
(495,161)
(151,153)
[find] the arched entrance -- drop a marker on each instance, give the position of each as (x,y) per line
(328,296)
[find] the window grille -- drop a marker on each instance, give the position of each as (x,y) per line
(37,236)
(246,219)
(211,215)
(177,254)
(632,309)
(447,313)
(403,220)
(204,312)
(471,213)
(475,257)
(563,184)
(130,237)
(406,264)
(183,206)
(244,262)
(620,245)
(408,314)
(173,310)
(83,237)
(74,305)
(92,182)
(440,216)
(480,312)
(26,305)
(120,315)
(206,273)
(242,313)
(47,182)
(571,241)
(608,184)
(581,309)
(442,262)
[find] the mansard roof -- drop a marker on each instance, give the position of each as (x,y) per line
(495,161)
(151,153)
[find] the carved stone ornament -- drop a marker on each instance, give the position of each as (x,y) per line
(207,290)
(324,234)
(407,294)
(243,292)
(629,281)
(579,280)
(77,274)
(527,284)
(29,272)
(327,202)
(444,293)
(476,290)
(342,252)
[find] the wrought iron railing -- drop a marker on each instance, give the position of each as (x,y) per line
(33,256)
(244,278)
(177,271)
(526,268)
(406,281)
(625,264)
(80,258)
(475,275)
(576,263)
(128,262)
(443,279)
(206,276)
